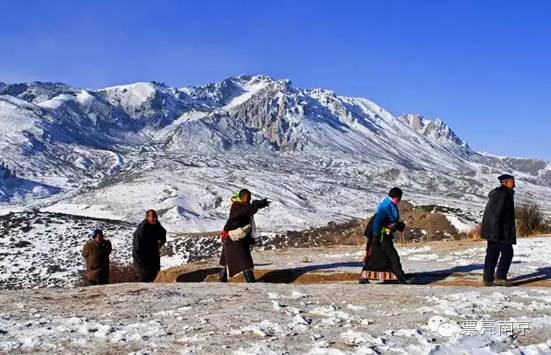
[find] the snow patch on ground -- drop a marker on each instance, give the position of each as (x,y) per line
(94,211)
(241,319)
(460,224)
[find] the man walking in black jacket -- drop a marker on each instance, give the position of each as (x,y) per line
(149,237)
(499,229)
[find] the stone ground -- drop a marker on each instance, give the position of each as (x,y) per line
(329,317)
(275,319)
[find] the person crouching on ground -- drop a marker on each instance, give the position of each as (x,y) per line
(382,255)
(149,238)
(96,253)
(499,229)
(238,237)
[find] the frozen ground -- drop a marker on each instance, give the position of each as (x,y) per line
(276,319)
(445,314)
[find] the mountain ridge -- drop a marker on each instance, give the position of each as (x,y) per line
(90,146)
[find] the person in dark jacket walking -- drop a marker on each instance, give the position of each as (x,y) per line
(499,229)
(381,255)
(238,237)
(149,237)
(96,253)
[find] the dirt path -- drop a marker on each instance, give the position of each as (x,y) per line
(452,263)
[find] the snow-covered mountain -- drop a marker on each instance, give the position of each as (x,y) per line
(117,151)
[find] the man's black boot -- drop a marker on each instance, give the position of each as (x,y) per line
(222,275)
(249,276)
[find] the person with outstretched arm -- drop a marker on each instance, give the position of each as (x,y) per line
(149,238)
(499,229)
(238,237)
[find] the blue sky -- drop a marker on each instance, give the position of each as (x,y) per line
(484,67)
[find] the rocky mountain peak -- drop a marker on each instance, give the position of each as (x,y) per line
(436,129)
(35,92)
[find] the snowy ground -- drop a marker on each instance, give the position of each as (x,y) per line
(44,249)
(276,319)
(435,317)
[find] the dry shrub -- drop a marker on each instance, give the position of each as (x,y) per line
(530,220)
(474,234)
(122,272)
(118,273)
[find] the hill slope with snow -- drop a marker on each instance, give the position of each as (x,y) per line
(319,156)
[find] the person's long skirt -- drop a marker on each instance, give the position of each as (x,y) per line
(383,257)
(236,255)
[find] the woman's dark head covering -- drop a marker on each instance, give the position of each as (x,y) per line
(395,192)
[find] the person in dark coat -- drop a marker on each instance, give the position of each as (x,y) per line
(236,253)
(149,237)
(499,229)
(96,253)
(381,255)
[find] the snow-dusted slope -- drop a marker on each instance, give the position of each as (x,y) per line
(318,155)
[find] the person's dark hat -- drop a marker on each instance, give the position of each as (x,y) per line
(96,232)
(395,192)
(505,177)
